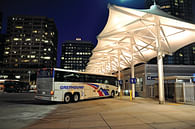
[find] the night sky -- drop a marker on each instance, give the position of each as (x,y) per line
(73,18)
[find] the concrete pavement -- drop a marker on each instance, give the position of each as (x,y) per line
(17,110)
(118,113)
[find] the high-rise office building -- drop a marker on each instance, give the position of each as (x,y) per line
(31,43)
(75,54)
(183,10)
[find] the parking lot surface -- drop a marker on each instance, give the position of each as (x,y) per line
(17,110)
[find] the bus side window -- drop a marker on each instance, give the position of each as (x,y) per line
(106,82)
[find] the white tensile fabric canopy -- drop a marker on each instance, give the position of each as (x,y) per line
(134,36)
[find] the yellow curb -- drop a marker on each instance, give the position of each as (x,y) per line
(177,104)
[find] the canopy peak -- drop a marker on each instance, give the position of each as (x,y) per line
(154,6)
(154,2)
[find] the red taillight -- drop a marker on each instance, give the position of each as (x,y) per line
(52,92)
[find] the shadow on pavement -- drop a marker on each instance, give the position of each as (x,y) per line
(31,102)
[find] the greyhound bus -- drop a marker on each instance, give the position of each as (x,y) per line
(54,84)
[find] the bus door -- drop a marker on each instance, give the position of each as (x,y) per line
(105,88)
(88,89)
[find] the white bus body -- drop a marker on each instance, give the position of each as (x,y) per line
(66,86)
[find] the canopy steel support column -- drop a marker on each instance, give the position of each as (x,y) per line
(119,71)
(133,76)
(132,64)
(160,63)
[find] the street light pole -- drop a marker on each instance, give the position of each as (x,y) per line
(29,72)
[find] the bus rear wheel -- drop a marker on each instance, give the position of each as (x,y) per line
(67,98)
(76,97)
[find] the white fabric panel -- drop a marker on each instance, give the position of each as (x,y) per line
(124,24)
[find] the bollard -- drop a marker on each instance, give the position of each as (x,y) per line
(130,91)
(121,94)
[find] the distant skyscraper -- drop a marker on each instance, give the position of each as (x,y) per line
(31,44)
(183,10)
(75,54)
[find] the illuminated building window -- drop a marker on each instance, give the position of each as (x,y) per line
(180,54)
(16,39)
(28,39)
(47,58)
(25,61)
(33,56)
(62,58)
(46,41)
(22,35)
(7,48)
(52,33)
(37,39)
(35,61)
(6,52)
(35,31)
(19,27)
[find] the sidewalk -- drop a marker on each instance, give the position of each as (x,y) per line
(141,113)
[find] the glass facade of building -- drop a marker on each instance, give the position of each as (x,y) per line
(183,10)
(75,54)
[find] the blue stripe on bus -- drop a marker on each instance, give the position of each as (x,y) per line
(71,87)
(105,92)
(97,86)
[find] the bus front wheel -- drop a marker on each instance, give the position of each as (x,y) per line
(67,98)
(112,94)
(76,97)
